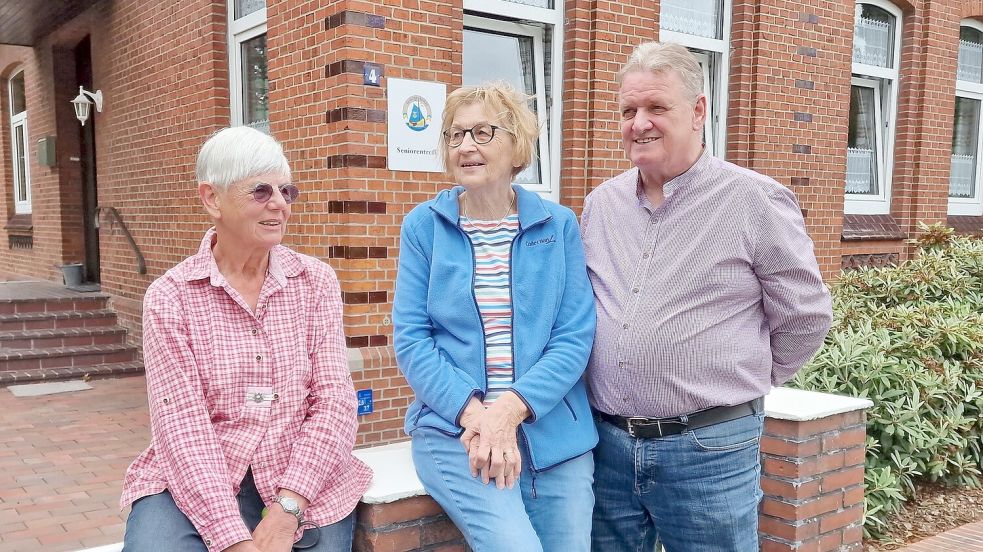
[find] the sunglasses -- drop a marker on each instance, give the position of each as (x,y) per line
(263,192)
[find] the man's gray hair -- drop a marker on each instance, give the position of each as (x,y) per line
(659,57)
(237,153)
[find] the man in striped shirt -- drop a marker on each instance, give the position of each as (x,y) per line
(708,293)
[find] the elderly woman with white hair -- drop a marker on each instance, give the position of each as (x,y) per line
(252,407)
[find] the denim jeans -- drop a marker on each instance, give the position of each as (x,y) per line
(694,492)
(155,524)
(550,513)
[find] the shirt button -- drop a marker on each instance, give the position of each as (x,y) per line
(254,331)
(624,326)
(625,399)
(259,358)
(634,290)
(645,255)
(621,364)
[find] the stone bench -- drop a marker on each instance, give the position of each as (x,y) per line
(812,455)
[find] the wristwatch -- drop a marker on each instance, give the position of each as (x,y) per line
(290,506)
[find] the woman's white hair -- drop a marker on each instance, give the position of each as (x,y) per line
(237,153)
(660,57)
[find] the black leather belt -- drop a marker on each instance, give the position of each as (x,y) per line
(648,428)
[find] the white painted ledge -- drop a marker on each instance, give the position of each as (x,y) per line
(797,405)
(394,476)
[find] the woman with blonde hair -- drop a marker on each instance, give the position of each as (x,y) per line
(494,321)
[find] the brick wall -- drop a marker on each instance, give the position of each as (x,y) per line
(789,98)
(51,192)
(929,46)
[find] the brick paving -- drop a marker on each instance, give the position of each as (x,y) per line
(966,538)
(62,460)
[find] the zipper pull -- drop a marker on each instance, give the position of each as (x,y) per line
(533,474)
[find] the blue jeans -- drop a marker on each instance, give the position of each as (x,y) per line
(155,524)
(551,512)
(694,492)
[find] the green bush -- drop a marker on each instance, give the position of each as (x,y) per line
(910,338)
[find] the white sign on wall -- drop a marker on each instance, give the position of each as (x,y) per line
(414,112)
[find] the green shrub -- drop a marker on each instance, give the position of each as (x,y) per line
(910,338)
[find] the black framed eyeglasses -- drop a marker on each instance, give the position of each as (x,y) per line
(263,192)
(481,133)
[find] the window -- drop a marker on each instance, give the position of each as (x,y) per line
(18,143)
(521,45)
(965,197)
(248,83)
(873,105)
(703,26)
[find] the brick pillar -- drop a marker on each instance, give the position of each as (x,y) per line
(812,476)
(416,523)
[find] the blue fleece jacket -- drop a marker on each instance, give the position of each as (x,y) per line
(440,343)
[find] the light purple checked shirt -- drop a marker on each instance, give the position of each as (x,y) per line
(707,300)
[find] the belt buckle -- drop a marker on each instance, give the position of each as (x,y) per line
(632,420)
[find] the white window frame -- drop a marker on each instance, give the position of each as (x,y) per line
(22,205)
(972,206)
(880,204)
(241,30)
(549,109)
(879,166)
(714,56)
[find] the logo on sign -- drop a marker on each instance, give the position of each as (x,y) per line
(417,113)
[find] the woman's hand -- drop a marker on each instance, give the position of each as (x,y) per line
(494,451)
(471,421)
(275,532)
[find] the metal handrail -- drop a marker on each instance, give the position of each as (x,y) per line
(114,214)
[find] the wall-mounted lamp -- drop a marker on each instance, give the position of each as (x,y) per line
(82,104)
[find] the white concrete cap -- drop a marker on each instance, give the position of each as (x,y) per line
(797,405)
(394,476)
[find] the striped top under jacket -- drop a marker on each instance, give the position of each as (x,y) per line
(707,300)
(492,243)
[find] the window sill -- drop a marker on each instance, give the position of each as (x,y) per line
(870,227)
(20,225)
(964,224)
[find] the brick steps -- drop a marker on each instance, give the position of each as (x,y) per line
(62,357)
(48,332)
(57,320)
(91,301)
(71,372)
(64,337)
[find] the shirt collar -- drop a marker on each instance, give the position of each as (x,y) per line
(284,263)
(690,176)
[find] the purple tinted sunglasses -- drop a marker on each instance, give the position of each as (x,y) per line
(263,192)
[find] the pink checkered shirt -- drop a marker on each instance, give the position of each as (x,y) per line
(231,390)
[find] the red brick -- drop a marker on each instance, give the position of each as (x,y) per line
(381,515)
(842,478)
(840,519)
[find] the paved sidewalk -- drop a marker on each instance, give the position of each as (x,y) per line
(965,538)
(62,460)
